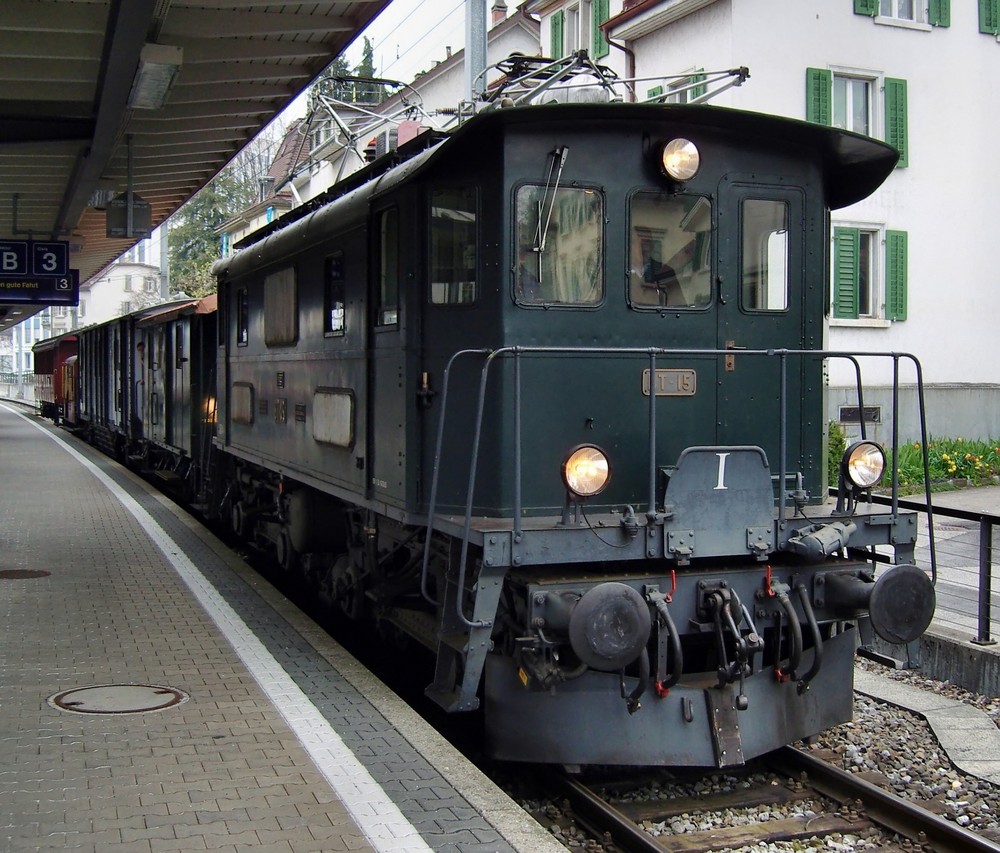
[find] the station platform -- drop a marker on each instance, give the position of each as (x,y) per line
(156,694)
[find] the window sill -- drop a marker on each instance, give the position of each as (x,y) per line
(861,323)
(903,24)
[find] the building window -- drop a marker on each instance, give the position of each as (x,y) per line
(82,311)
(687,89)
(128,284)
(867,284)
(849,100)
(852,103)
(149,284)
(934,12)
(124,308)
(578,25)
(904,10)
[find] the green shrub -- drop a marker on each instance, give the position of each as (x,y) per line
(837,444)
(950,459)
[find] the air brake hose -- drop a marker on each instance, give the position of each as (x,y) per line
(675,646)
(803,684)
(632,703)
(794,631)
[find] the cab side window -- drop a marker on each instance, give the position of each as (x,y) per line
(333,303)
(454,238)
(242,317)
(281,308)
(388,269)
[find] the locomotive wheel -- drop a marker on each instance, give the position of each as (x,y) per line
(347,591)
(238,520)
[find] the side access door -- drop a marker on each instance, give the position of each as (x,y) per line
(387,392)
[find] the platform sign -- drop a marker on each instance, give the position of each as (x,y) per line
(37,273)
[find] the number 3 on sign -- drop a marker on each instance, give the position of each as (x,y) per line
(48,262)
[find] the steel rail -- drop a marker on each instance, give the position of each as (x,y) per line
(894,813)
(601,817)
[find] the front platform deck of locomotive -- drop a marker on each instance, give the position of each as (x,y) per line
(142,711)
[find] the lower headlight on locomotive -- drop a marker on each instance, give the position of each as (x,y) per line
(546,394)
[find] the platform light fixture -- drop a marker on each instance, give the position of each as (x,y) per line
(158,68)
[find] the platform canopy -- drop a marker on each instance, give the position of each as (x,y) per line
(187,82)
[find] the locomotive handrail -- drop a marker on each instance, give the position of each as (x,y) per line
(517,352)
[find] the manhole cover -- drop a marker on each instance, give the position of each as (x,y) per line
(118,699)
(22,574)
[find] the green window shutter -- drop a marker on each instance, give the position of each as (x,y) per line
(558,21)
(846,248)
(699,90)
(655,92)
(989,16)
(939,13)
(598,43)
(895,275)
(895,118)
(866,7)
(819,95)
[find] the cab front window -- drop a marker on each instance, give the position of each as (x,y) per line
(670,251)
(559,237)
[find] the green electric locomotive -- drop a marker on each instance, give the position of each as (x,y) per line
(546,394)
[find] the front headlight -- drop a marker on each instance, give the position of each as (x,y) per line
(863,464)
(680,159)
(586,471)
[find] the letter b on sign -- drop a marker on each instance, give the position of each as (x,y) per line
(14,258)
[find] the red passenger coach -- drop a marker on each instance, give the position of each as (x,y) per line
(56,377)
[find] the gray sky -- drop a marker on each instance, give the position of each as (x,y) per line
(410,35)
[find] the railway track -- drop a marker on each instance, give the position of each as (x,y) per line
(830,803)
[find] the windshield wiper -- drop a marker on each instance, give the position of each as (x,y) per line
(556,164)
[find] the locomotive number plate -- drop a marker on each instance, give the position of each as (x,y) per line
(671,383)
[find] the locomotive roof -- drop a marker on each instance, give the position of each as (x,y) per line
(853,166)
